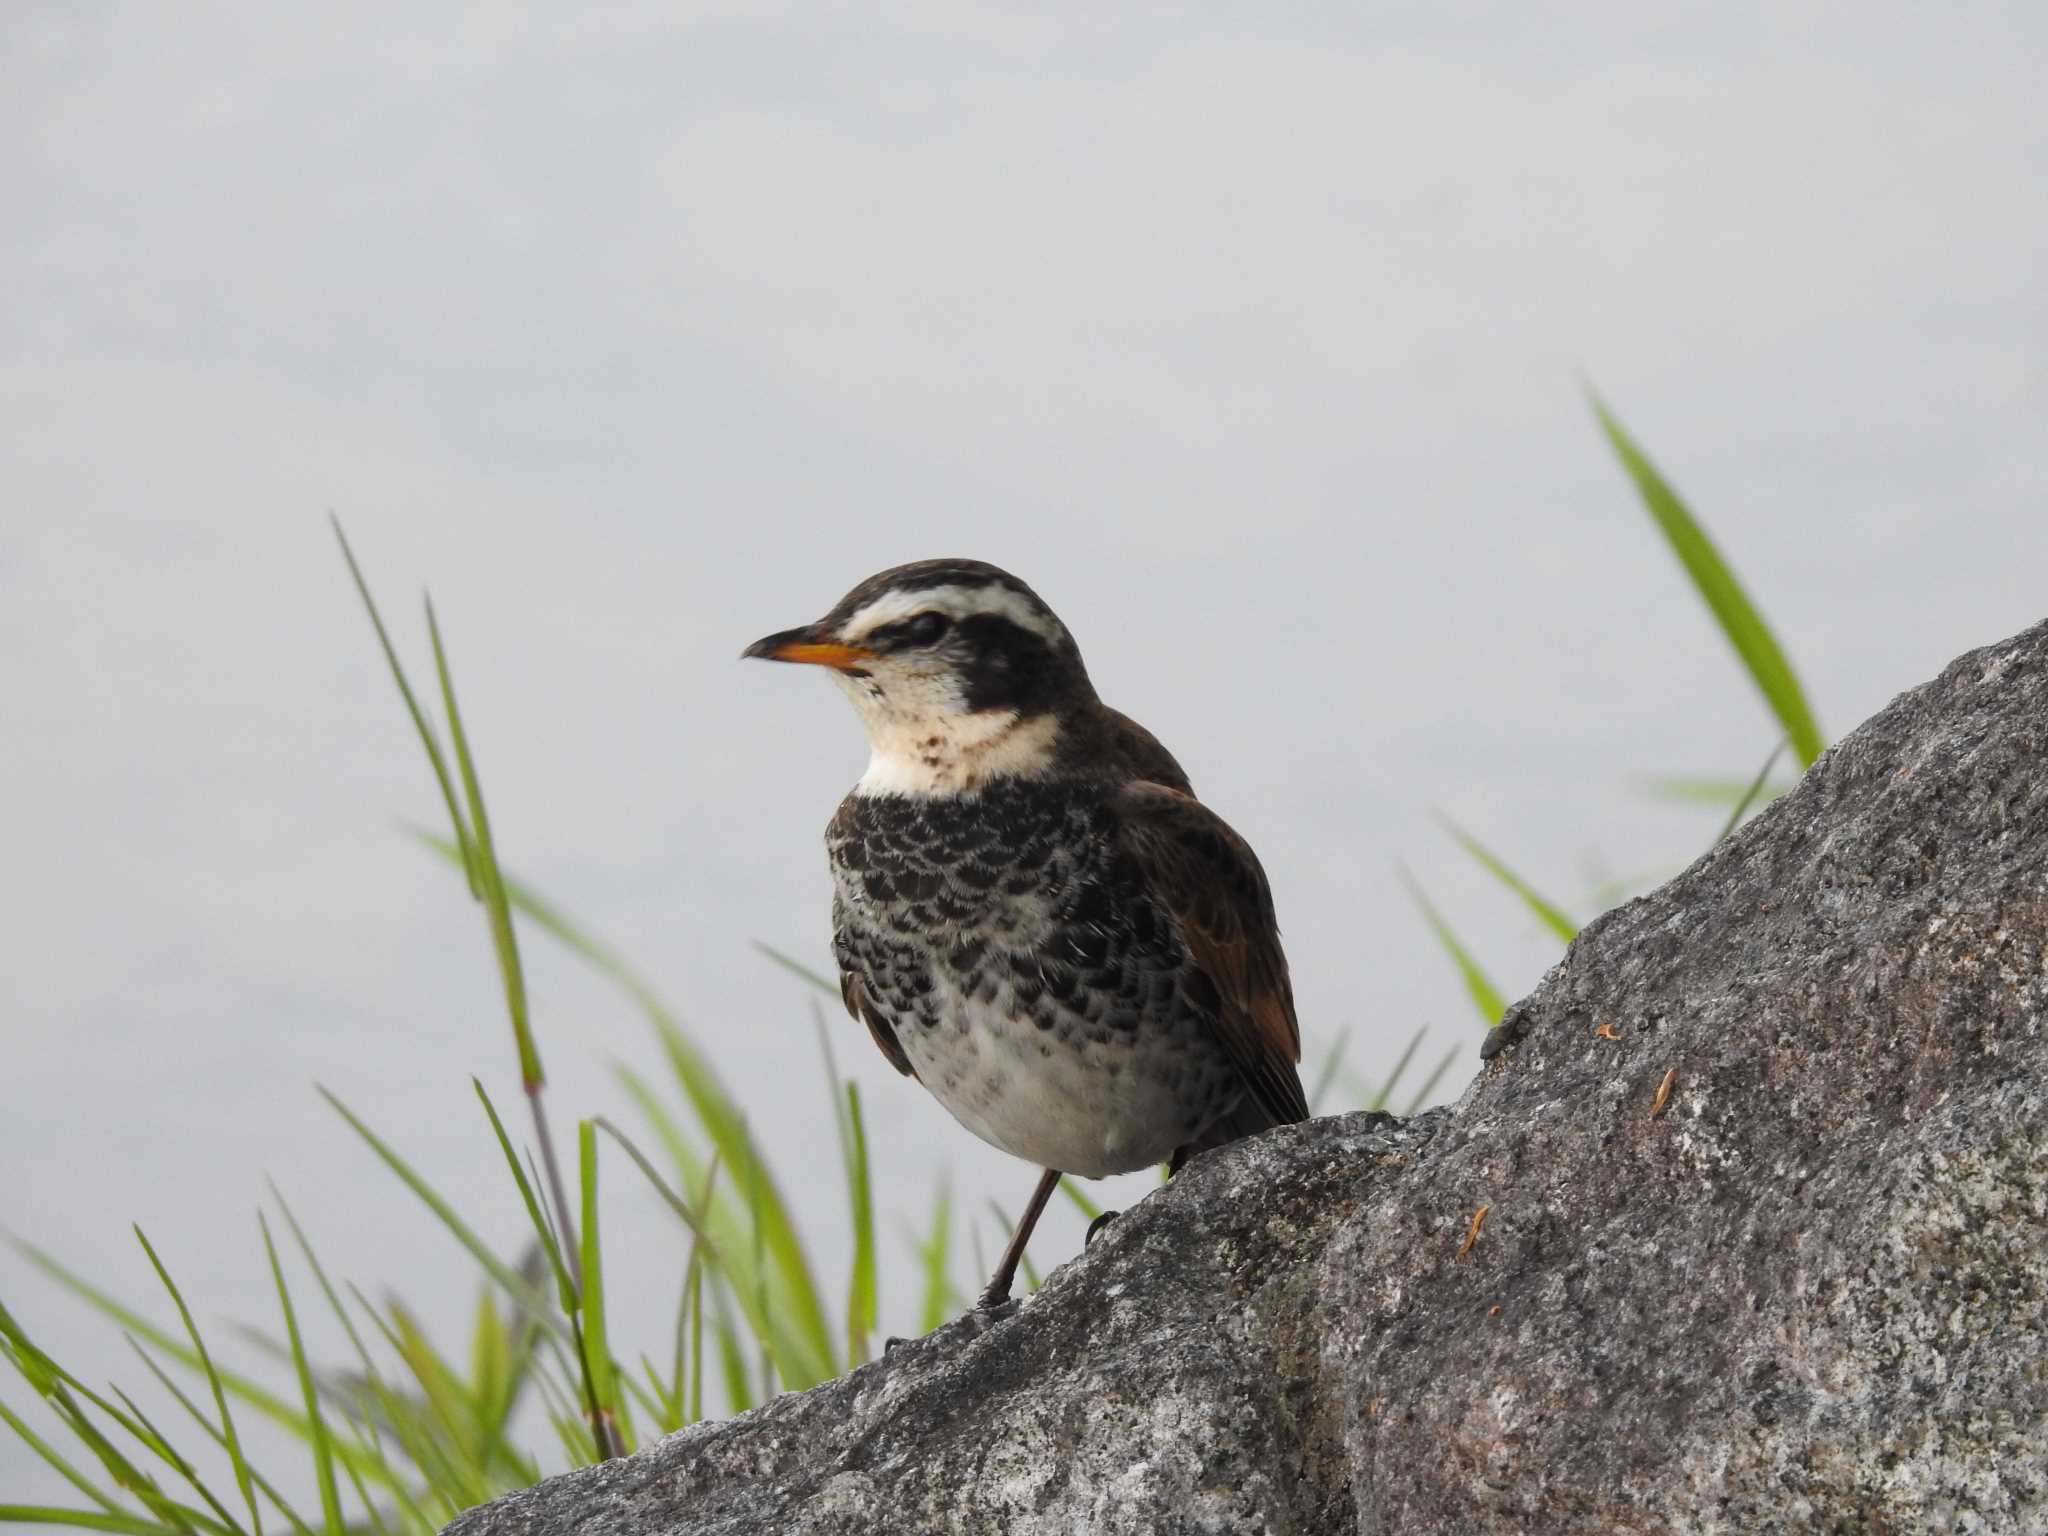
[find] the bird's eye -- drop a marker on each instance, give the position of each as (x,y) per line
(925,629)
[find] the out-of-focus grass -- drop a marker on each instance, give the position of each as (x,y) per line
(1724,596)
(1478,985)
(1761,656)
(403,1445)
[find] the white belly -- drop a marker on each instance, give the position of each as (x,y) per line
(1056,1097)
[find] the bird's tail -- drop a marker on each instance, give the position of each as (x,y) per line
(1247,1117)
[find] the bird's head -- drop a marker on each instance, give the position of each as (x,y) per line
(960,674)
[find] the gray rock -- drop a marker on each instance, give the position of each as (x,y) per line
(1807,1295)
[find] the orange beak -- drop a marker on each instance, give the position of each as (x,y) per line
(801,645)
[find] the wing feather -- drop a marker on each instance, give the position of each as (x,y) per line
(1138,754)
(857,1004)
(1210,880)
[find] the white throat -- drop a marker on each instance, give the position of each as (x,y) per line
(954,754)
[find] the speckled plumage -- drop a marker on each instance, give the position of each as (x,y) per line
(1006,951)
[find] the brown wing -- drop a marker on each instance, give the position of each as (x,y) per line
(856,1002)
(1141,755)
(1209,879)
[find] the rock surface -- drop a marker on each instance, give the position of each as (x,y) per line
(1808,1294)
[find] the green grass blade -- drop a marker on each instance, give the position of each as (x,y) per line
(55,1460)
(1080,1201)
(134,1424)
(693,1288)
(412,705)
(1750,795)
(732,1358)
(565,1287)
(596,1347)
(503,939)
(981,1264)
(364,1398)
(626,1432)
(245,1389)
(726,1227)
(520,1366)
(323,1453)
(571,1433)
(1485,996)
(806,1353)
(43,1375)
(797,968)
(1716,583)
(706,1251)
(1326,1075)
(231,1441)
(327,1290)
(632,1390)
(61,1391)
(1429,1083)
(1385,1091)
(695,1219)
(533,1182)
(695,1407)
(1547,912)
(430,1421)
(490,1367)
(751,1178)
(1703,790)
(862,1302)
(1612,892)
(377,1527)
(935,1257)
(364,1456)
(833,1080)
(198,1416)
(508,1279)
(663,1407)
(684,1392)
(139,1424)
(86,1519)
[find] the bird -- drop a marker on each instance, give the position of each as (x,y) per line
(1032,913)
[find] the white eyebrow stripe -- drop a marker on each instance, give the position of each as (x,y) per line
(954,602)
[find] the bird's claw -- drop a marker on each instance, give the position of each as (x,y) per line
(1096,1226)
(991,1308)
(975,1321)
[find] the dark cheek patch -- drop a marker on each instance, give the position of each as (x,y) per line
(1007,667)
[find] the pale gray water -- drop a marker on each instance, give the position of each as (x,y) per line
(1254,345)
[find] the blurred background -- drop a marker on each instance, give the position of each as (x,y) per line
(1257,342)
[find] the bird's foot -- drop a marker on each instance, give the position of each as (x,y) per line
(974,1322)
(993,1306)
(1096,1226)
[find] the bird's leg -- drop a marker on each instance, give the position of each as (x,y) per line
(998,1289)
